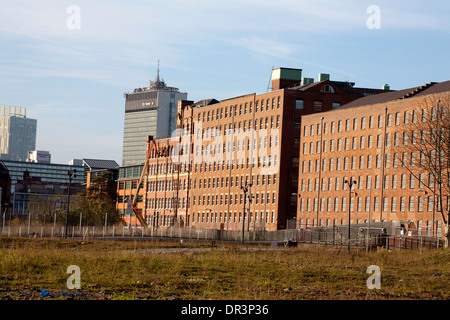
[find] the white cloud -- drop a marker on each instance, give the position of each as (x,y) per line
(119,43)
(266,46)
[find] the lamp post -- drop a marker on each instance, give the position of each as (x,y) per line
(437,165)
(245,189)
(250,197)
(350,183)
(71,174)
(425,197)
(211,214)
(320,171)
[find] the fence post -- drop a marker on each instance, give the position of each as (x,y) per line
(333,235)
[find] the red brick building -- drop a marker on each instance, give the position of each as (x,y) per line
(366,140)
(222,146)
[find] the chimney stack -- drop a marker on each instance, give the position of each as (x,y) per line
(285,77)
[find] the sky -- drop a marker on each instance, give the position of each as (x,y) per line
(70,62)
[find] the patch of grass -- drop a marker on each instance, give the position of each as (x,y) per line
(158,270)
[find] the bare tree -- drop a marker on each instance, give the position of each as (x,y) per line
(426,143)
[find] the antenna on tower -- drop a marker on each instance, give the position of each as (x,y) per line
(157,73)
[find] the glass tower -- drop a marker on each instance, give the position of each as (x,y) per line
(17,133)
(148,111)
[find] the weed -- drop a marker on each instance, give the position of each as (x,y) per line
(136,270)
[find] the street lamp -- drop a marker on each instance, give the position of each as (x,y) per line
(210,213)
(250,197)
(245,189)
(350,183)
(437,166)
(71,174)
(425,192)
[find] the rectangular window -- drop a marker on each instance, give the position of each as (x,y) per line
(369,162)
(411,181)
(402,204)
(411,203)
(370,142)
(317,105)
(403,181)
(397,118)
(420,203)
(380,121)
(371,122)
(369,182)
(363,123)
(378,161)
(394,204)
(377,182)
(376,204)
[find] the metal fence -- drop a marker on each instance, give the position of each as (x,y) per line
(338,235)
(118,232)
(371,240)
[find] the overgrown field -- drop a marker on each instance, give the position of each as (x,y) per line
(174,270)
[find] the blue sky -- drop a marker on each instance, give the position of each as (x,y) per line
(71,70)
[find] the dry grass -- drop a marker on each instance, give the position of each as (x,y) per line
(170,270)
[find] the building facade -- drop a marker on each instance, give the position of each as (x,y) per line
(367,141)
(35,182)
(5,191)
(17,133)
(127,185)
(238,155)
(46,173)
(148,111)
(39,156)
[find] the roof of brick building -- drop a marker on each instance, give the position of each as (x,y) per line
(426,89)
